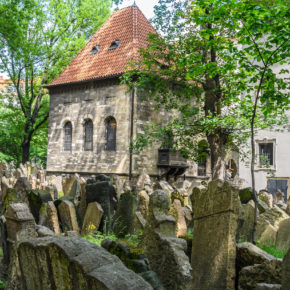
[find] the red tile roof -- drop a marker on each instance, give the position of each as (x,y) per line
(127,25)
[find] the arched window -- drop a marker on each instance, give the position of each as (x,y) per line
(67,136)
(89,132)
(111,130)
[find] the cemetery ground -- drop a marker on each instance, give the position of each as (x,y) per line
(104,232)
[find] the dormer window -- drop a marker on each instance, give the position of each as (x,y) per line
(95,49)
(115,44)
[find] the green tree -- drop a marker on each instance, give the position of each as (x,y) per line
(204,62)
(221,65)
(37,41)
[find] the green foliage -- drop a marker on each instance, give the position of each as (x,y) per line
(270,249)
(213,59)
(97,237)
(37,41)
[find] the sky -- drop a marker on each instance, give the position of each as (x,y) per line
(146,6)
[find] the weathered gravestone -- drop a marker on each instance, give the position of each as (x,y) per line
(283,235)
(124,216)
(177,212)
(52,217)
(4,186)
(36,198)
(286,271)
(214,239)
(165,252)
(11,196)
(245,232)
(67,215)
(22,186)
(101,190)
(143,203)
(92,218)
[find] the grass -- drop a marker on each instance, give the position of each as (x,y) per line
(97,238)
(273,251)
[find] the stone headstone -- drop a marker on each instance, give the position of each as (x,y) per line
(143,203)
(215,224)
(165,252)
(56,181)
(267,198)
(143,179)
(139,222)
(286,271)
(102,191)
(268,272)
(92,218)
(52,218)
(248,224)
(164,185)
(22,186)
(67,184)
(124,216)
(11,196)
(4,186)
(67,215)
(272,216)
(20,222)
(245,194)
(269,235)
(36,198)
(278,196)
(177,212)
(283,235)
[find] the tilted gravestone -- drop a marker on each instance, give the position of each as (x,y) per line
(36,198)
(124,216)
(216,213)
(52,217)
(92,218)
(101,190)
(67,214)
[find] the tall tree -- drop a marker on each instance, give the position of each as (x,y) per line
(207,58)
(38,38)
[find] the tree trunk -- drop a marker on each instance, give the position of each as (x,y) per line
(25,150)
(217,139)
(218,153)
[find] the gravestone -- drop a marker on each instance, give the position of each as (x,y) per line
(124,216)
(143,203)
(4,186)
(36,198)
(245,232)
(177,212)
(92,218)
(22,186)
(143,179)
(67,215)
(52,218)
(286,271)
(214,239)
(20,222)
(101,190)
(165,252)
(283,235)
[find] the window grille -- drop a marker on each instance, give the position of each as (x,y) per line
(111,130)
(68,136)
(266,154)
(89,132)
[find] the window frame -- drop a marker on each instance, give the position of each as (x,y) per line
(259,165)
(67,144)
(88,139)
(110,147)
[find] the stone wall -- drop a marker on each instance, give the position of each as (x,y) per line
(67,264)
(98,101)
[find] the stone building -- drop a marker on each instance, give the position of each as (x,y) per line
(93,118)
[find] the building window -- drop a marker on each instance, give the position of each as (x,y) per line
(95,49)
(67,136)
(111,130)
(89,132)
(201,167)
(266,154)
(115,44)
